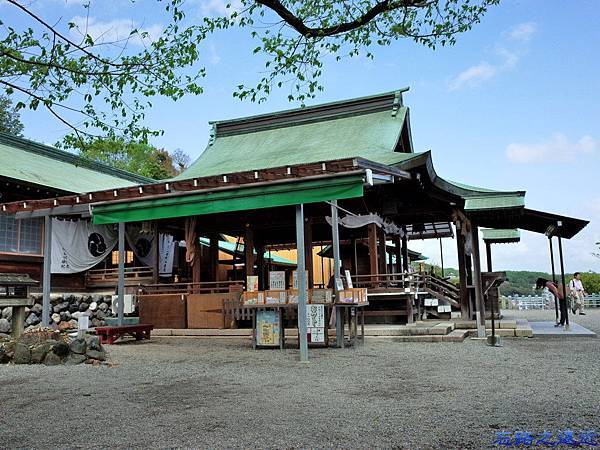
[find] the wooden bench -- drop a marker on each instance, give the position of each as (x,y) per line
(108,335)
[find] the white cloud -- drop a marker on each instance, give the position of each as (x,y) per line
(473,75)
(219,7)
(116,30)
(556,149)
(508,56)
(522,32)
(214,57)
(510,59)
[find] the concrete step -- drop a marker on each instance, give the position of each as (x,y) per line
(456,336)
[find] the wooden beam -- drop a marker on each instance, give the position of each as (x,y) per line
(398,253)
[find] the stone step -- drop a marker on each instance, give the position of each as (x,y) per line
(456,336)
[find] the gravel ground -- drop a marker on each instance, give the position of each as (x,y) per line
(189,392)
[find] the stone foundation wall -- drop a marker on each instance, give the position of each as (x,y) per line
(65,309)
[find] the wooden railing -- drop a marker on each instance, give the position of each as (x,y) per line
(203,287)
(409,283)
(109,277)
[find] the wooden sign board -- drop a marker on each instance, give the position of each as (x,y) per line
(315,323)
(268,328)
(277,280)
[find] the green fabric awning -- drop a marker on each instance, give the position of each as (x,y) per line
(236,199)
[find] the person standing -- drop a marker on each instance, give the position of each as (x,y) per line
(558,295)
(577,294)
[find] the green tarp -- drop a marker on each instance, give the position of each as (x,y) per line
(238,199)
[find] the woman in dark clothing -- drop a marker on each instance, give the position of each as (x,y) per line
(562,302)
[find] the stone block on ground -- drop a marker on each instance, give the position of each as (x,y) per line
(75,359)
(22,354)
(78,346)
(523,331)
(456,336)
(39,352)
(96,354)
(504,332)
(52,359)
(7,313)
(4,326)
(61,349)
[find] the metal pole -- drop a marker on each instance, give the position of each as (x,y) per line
(479,300)
(553,275)
(562,278)
(339,323)
(47,274)
(121,280)
(442,258)
(302,294)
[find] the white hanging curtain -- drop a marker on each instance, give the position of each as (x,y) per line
(78,245)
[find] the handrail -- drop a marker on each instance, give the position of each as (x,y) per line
(202,287)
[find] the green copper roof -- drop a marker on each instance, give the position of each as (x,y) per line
(373,128)
(501,235)
(31,162)
(497,201)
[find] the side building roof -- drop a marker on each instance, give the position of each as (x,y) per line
(374,128)
(34,163)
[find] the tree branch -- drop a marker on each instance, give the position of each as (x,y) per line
(298,24)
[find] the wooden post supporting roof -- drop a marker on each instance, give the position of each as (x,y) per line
(488,254)
(553,274)
(373,258)
(214,257)
(249,250)
(47,273)
(398,253)
(381,252)
(465,308)
(405,261)
(479,300)
(156,250)
(308,251)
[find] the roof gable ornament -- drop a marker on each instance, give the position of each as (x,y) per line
(397,103)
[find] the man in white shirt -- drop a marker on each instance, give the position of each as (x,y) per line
(577,293)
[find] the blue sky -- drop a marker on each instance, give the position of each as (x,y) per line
(513,105)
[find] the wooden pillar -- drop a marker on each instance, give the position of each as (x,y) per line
(249,250)
(47,265)
(373,259)
(260,265)
(405,261)
(465,309)
(488,254)
(308,252)
(562,276)
(214,257)
(382,253)
(479,300)
(156,251)
(398,254)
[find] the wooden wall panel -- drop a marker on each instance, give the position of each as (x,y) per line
(163,310)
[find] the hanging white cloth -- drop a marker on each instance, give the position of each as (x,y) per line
(166,248)
(78,245)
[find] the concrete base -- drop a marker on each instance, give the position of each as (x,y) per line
(548,330)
